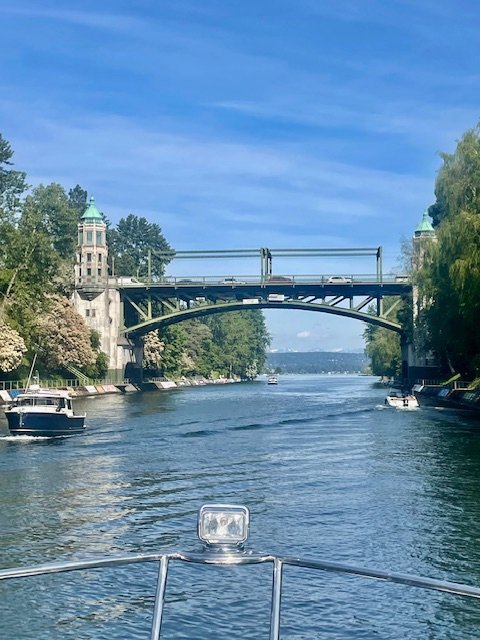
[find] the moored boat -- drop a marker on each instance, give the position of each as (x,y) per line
(272,379)
(445,397)
(43,412)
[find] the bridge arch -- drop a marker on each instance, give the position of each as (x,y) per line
(204,310)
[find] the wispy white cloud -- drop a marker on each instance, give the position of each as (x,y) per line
(400,14)
(233,189)
(304,334)
(416,120)
(106,21)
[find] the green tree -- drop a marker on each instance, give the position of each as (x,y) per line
(457,187)
(99,368)
(383,349)
(12,185)
(77,198)
(172,362)
(449,283)
(58,217)
(39,252)
(12,188)
(200,351)
(242,339)
(383,345)
(29,264)
(226,344)
(449,280)
(130,244)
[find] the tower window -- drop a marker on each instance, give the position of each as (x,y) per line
(89,272)
(89,237)
(99,237)
(89,257)
(99,258)
(99,272)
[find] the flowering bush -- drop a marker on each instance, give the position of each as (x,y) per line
(12,348)
(63,337)
(152,350)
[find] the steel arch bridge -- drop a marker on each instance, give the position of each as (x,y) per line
(152,305)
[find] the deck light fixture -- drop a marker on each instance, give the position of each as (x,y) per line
(223,525)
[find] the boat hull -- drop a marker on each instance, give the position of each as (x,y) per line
(44,424)
(404,402)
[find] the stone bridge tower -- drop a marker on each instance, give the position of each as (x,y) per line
(96,297)
(420,365)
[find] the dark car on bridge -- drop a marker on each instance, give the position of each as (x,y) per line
(279,279)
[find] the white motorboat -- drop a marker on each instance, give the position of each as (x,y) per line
(272,379)
(401,401)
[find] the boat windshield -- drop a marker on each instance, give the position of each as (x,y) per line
(41,401)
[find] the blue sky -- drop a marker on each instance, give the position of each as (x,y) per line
(285,124)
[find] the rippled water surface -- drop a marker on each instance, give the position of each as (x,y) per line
(325,468)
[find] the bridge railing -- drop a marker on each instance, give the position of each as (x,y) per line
(286,279)
(9,385)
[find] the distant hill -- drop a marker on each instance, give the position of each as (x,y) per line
(317,362)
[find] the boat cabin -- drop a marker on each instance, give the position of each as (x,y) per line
(33,399)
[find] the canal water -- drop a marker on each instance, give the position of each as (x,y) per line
(327,471)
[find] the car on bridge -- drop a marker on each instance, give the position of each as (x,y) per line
(126,280)
(339,280)
(232,281)
(279,279)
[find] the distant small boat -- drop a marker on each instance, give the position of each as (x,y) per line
(401,401)
(43,412)
(272,379)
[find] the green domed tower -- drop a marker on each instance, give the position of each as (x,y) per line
(423,235)
(96,296)
(91,271)
(421,364)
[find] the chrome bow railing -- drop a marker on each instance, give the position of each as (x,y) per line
(224,550)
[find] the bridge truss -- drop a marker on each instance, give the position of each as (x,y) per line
(149,306)
(148,303)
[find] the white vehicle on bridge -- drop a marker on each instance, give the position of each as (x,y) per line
(339,280)
(126,280)
(232,281)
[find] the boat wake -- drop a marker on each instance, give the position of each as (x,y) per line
(25,438)
(22,438)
